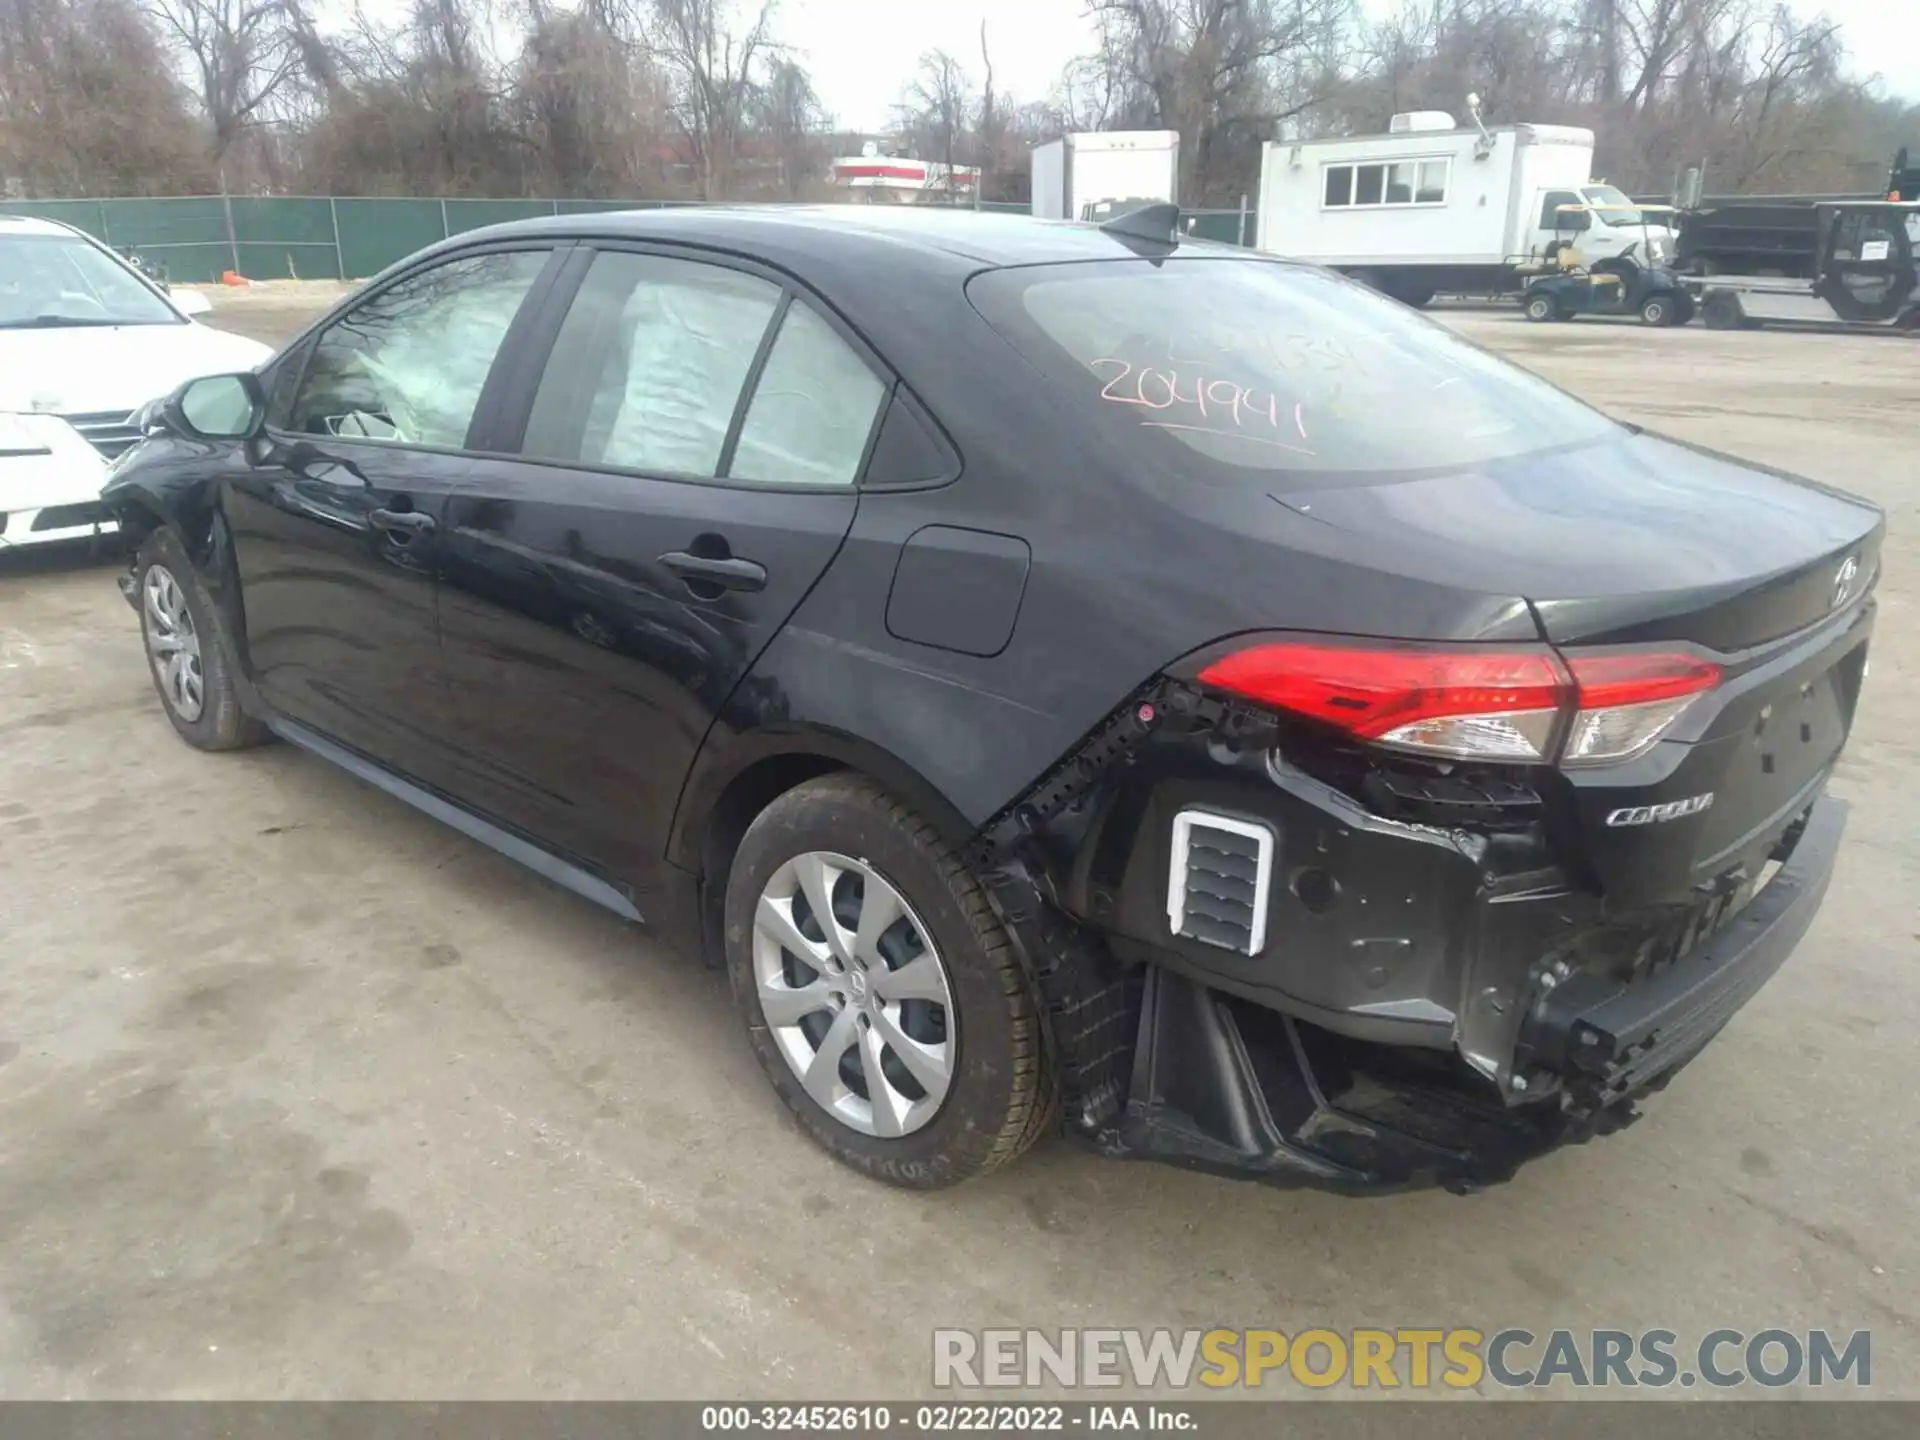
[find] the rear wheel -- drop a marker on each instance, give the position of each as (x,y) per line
(1659,310)
(1721,311)
(190,665)
(882,997)
(1541,308)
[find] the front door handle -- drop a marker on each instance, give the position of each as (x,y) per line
(401,523)
(728,572)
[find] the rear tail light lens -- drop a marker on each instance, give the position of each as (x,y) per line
(1625,702)
(1493,704)
(1470,703)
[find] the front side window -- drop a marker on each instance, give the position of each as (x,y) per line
(1552,217)
(407,366)
(1339,185)
(50,282)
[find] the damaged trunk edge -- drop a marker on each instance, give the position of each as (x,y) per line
(1442,990)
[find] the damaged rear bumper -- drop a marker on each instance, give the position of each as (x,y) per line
(1610,1040)
(1221,1084)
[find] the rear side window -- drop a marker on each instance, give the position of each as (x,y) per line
(407,365)
(649,365)
(1212,365)
(812,410)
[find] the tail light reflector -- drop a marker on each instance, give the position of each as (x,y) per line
(1483,704)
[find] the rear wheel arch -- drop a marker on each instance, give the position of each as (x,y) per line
(722,800)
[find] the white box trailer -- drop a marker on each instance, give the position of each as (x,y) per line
(1433,207)
(1076,173)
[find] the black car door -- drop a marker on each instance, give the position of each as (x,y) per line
(335,523)
(688,461)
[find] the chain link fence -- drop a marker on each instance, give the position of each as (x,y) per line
(196,239)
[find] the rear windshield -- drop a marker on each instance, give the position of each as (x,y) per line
(1275,367)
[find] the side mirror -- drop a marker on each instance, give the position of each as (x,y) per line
(190,302)
(217,407)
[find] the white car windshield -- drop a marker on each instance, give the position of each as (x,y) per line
(56,281)
(1606,195)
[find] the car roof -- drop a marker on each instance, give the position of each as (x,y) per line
(941,235)
(34,225)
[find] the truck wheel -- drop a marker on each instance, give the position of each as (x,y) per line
(1540,308)
(882,997)
(1659,310)
(1721,311)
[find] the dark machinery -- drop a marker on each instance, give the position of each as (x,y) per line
(1862,273)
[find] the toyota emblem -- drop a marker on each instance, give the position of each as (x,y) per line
(1843,580)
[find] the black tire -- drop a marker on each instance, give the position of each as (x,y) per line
(220,723)
(1002,1094)
(1541,308)
(1721,311)
(1659,310)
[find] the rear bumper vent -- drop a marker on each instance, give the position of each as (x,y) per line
(1219,880)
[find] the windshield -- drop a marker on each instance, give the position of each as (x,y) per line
(52,281)
(1608,195)
(1273,367)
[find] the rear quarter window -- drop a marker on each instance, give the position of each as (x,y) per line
(1268,367)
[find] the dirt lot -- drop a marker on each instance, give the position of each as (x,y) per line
(302,1094)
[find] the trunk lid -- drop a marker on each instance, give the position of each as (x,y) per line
(1643,539)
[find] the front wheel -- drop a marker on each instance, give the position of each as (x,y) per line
(191,668)
(1541,308)
(1659,310)
(881,995)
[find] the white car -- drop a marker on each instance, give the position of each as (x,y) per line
(85,340)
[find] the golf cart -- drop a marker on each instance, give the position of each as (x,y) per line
(1634,282)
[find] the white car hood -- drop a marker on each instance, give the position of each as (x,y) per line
(86,370)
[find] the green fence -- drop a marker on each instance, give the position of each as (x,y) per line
(197,238)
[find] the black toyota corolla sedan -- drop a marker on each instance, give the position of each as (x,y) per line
(1073,678)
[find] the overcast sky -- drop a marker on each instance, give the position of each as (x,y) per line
(860,51)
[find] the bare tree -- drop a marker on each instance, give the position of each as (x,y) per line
(241,52)
(934,109)
(711,55)
(794,123)
(1224,73)
(89,106)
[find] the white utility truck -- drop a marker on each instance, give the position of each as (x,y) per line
(1088,176)
(1433,207)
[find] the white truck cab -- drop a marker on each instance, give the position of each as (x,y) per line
(1435,206)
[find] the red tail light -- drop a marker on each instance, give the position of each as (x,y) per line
(1504,704)
(1625,702)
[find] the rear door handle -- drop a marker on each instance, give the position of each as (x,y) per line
(401,522)
(734,574)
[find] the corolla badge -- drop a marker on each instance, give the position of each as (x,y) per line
(1843,579)
(1655,814)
